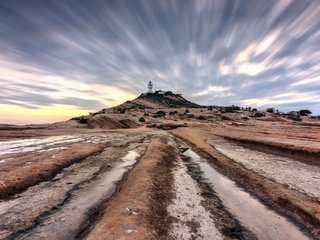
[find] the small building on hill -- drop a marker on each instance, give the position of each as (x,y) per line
(150,86)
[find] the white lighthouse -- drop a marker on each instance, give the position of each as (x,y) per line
(150,86)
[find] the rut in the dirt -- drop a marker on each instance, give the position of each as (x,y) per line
(62,205)
(170,193)
(250,216)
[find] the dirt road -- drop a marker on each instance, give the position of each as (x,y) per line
(150,185)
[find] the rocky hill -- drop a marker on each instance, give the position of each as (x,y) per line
(158,99)
(119,117)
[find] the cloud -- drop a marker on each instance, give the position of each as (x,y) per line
(97,54)
(284,100)
(211,90)
(27,86)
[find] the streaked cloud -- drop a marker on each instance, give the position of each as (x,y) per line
(26,85)
(95,54)
(211,90)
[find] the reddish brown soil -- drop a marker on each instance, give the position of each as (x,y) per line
(28,169)
(298,206)
(138,210)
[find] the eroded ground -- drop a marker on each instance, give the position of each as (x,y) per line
(200,181)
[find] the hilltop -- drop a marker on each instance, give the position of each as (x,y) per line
(165,109)
(157,99)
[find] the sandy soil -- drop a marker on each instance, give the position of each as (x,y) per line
(297,205)
(29,169)
(263,223)
(128,216)
(191,219)
(296,175)
(67,181)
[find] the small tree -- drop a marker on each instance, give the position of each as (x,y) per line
(270,110)
(305,112)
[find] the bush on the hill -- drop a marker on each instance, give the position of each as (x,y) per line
(231,109)
(159,114)
(270,110)
(305,112)
(121,110)
(81,119)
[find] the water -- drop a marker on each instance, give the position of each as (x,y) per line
(263,222)
(66,221)
(34,144)
(39,144)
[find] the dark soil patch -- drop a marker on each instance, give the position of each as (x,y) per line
(223,219)
(162,194)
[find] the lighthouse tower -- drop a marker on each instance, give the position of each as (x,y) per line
(150,86)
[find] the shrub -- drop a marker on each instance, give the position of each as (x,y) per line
(121,110)
(228,110)
(81,119)
(159,114)
(305,112)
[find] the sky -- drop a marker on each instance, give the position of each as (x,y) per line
(64,58)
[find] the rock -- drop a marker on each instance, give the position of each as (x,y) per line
(183,149)
(109,122)
(201,117)
(173,113)
(223,117)
(166,126)
(142,119)
(258,114)
(190,115)
(236,124)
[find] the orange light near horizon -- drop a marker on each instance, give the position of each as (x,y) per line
(46,114)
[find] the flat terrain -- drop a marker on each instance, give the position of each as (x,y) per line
(194,175)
